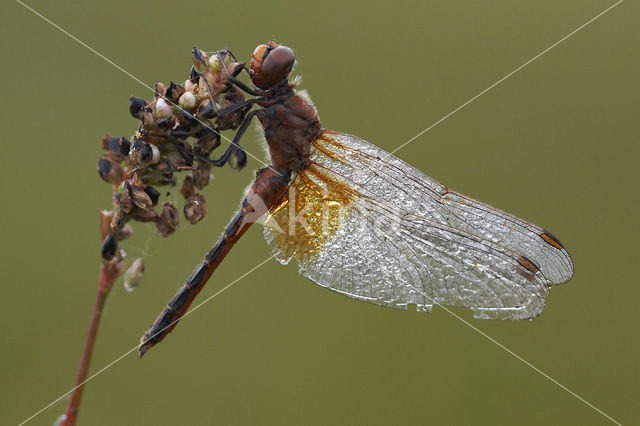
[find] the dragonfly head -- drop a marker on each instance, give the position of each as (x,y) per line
(271,64)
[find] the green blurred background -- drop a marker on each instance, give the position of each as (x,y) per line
(557,144)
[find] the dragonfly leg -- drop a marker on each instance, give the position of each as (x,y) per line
(234,144)
(270,185)
(246,88)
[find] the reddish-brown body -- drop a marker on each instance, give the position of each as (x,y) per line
(290,124)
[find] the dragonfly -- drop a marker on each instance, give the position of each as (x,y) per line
(366,224)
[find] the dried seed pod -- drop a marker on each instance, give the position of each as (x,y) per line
(202,175)
(175,160)
(207,141)
(205,110)
(189,119)
(143,154)
(109,247)
(147,118)
(166,122)
(181,132)
(109,171)
(148,215)
(165,169)
(106,216)
(195,208)
(125,146)
(187,189)
(125,200)
(111,145)
(173,92)
(168,220)
(153,194)
(133,275)
(155,177)
(141,199)
(231,97)
(118,221)
(135,106)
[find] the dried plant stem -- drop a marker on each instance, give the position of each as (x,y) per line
(109,271)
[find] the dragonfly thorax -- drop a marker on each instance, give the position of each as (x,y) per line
(290,124)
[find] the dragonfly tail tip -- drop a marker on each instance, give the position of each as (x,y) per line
(144,347)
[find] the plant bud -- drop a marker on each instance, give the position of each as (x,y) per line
(238,159)
(195,208)
(200,60)
(188,100)
(214,63)
(168,220)
(135,106)
(162,108)
(189,86)
(133,275)
(159,89)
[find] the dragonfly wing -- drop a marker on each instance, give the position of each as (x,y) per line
(366,224)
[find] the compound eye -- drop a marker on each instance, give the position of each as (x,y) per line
(278,64)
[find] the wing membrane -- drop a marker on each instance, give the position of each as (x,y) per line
(366,224)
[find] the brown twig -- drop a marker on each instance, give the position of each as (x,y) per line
(109,271)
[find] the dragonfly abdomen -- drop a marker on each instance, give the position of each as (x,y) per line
(268,188)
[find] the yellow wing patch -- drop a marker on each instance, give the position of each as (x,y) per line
(311,211)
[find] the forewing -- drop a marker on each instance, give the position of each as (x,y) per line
(366,224)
